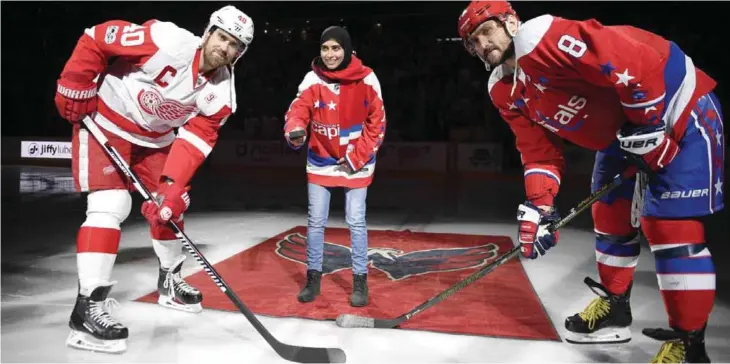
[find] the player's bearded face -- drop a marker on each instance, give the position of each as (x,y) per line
(220,48)
(491,42)
(332,54)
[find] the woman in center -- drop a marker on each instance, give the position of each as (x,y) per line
(339,110)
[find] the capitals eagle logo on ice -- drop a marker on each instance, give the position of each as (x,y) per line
(396,264)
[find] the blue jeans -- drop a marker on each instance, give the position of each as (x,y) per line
(319,205)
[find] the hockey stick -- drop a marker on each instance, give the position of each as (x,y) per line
(293,353)
(355,321)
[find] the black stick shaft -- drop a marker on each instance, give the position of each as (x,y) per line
(286,351)
(582,206)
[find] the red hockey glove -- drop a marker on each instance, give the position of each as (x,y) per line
(533,233)
(649,149)
(75,98)
(174,201)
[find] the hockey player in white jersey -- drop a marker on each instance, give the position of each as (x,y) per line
(140,83)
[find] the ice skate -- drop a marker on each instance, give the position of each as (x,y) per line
(605,320)
(679,346)
(92,328)
(175,293)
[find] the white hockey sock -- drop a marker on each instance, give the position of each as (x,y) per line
(168,251)
(96,245)
(95,269)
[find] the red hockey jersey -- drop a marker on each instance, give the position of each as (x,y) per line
(153,86)
(581,81)
(346,115)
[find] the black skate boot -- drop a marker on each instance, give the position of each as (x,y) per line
(605,320)
(359,295)
(311,288)
(92,328)
(679,346)
(175,293)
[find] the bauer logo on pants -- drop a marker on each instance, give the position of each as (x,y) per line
(394,263)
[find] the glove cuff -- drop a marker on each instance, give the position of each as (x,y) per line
(74,92)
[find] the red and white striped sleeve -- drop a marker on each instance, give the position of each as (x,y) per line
(115,38)
(196,139)
(541,151)
(300,110)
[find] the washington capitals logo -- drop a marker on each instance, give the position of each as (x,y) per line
(395,263)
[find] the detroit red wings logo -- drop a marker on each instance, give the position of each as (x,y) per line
(152,102)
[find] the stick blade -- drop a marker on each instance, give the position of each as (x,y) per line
(354,321)
(301,354)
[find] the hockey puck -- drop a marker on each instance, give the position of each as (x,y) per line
(296,134)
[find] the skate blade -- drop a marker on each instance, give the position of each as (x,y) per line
(609,335)
(169,302)
(84,341)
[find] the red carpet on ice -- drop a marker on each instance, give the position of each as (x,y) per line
(406,269)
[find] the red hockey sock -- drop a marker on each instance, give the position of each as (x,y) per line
(617,244)
(685,272)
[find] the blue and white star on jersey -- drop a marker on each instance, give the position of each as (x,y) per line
(607,68)
(318,104)
(718,186)
(624,77)
(521,102)
(718,136)
(331,105)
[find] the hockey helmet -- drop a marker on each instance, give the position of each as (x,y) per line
(477,13)
(236,23)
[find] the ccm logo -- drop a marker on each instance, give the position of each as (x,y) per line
(673,195)
(330,131)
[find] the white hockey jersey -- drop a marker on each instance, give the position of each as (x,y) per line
(150,84)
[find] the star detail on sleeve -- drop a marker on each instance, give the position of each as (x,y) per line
(718,186)
(607,68)
(624,77)
(718,136)
(540,87)
(331,105)
(316,104)
(512,106)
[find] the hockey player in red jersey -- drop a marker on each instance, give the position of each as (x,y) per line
(638,101)
(139,84)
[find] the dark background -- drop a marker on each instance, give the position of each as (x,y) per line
(433,90)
